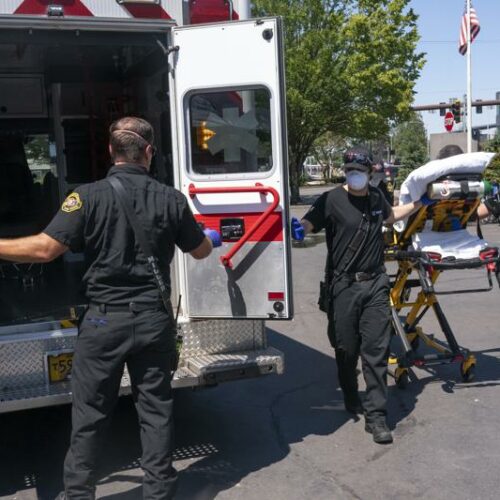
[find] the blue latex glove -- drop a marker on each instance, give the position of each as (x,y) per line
(214,237)
(426,201)
(297,230)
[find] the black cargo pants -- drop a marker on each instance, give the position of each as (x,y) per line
(145,341)
(361,324)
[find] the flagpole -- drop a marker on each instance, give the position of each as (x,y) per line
(469,82)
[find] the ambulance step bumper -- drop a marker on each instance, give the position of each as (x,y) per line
(197,371)
(215,368)
(45,395)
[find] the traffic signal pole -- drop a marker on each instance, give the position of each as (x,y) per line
(447,105)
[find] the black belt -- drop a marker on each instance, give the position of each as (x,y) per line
(130,307)
(363,276)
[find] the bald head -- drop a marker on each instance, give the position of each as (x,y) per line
(131,140)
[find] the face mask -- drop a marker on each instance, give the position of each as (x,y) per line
(356,180)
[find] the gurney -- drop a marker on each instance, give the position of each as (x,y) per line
(434,240)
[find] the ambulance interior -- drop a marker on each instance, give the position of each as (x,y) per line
(59,92)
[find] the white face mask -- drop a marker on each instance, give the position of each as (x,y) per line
(356,180)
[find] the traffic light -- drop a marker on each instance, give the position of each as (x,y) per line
(442,109)
(203,135)
(479,107)
(456,109)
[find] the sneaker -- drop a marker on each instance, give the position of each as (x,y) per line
(381,433)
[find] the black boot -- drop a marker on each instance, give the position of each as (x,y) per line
(378,428)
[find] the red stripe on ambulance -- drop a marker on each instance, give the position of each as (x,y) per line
(147,11)
(71,7)
(270,230)
(209,11)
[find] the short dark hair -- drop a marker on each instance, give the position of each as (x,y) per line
(449,150)
(129,137)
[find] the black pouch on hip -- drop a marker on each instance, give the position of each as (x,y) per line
(324,297)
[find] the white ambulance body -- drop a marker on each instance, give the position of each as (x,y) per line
(214,94)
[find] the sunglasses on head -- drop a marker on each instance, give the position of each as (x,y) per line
(355,157)
(355,169)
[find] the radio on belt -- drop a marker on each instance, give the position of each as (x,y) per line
(232,229)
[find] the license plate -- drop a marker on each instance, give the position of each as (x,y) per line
(59,366)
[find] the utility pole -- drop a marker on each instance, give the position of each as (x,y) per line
(469,83)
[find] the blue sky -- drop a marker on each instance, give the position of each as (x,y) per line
(445,73)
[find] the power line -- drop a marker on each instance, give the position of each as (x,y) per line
(456,42)
(457,91)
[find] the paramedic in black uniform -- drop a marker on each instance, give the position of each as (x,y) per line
(126,322)
(360,323)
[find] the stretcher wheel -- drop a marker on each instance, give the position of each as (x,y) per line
(468,371)
(401,377)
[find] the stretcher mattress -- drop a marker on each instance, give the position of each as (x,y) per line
(459,244)
(415,185)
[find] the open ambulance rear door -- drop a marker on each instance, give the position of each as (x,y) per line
(229,136)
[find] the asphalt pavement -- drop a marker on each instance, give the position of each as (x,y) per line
(288,437)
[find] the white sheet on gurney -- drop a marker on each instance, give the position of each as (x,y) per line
(415,185)
(459,244)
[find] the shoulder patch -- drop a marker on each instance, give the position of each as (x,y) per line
(72,203)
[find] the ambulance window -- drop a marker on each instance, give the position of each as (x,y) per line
(41,156)
(230,132)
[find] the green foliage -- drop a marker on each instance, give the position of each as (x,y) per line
(410,146)
(493,171)
(350,68)
(328,149)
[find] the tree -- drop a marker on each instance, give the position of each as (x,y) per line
(493,171)
(350,69)
(328,150)
(410,145)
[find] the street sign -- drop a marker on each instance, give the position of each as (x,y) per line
(449,120)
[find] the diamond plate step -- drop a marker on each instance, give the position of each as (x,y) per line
(270,359)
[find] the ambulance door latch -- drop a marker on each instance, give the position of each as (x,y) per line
(232,229)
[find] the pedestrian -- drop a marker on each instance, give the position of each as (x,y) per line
(356,291)
(129,319)
(379,180)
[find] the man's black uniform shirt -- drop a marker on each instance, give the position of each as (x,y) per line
(91,220)
(340,213)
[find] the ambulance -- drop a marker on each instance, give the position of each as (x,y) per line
(212,84)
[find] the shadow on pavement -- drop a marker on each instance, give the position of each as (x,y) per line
(252,425)
(222,434)
(403,401)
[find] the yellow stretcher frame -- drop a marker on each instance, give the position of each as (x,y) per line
(406,324)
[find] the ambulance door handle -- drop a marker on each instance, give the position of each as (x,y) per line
(258,188)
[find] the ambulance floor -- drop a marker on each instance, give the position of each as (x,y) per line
(40,292)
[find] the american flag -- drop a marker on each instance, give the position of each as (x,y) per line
(474,29)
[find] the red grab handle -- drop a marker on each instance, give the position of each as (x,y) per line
(258,188)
